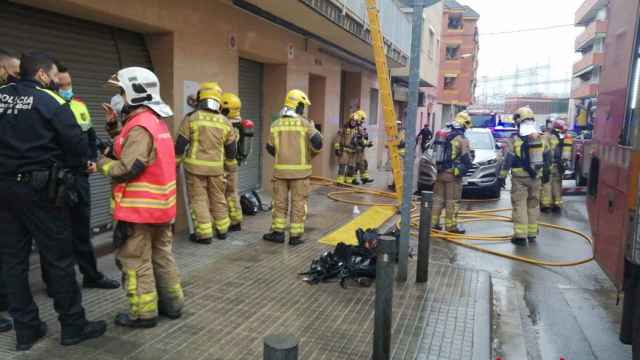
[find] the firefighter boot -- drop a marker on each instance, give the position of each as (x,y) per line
(545,209)
(235,227)
(274,236)
(531,239)
(355,182)
(90,330)
(221,235)
(556,209)
(295,240)
(26,340)
(457,230)
(123,319)
(518,241)
(197,240)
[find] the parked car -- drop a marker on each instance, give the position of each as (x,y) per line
(482,177)
(487,161)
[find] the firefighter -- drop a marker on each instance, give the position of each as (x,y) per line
(142,166)
(33,207)
(293,142)
(453,158)
(344,149)
(231,106)
(362,143)
(528,164)
(560,146)
(211,141)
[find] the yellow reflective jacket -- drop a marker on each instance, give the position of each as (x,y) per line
(81,113)
(290,139)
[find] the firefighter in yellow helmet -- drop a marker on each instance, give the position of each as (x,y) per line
(362,143)
(344,148)
(453,158)
(560,149)
(231,106)
(205,141)
(293,142)
(528,162)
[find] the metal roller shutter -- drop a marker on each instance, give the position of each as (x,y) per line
(250,92)
(92,52)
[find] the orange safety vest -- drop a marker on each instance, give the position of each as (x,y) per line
(151,197)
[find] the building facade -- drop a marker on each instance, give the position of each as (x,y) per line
(544,107)
(592,16)
(458,59)
(256,48)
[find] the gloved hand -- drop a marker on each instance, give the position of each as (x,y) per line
(456,171)
(337,152)
(546,176)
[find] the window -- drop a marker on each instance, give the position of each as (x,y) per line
(449,82)
(455,22)
(432,38)
(373,107)
(452,52)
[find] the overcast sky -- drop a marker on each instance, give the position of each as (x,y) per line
(499,54)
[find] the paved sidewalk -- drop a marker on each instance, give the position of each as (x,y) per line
(242,289)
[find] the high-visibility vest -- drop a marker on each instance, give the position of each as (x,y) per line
(151,197)
(81,113)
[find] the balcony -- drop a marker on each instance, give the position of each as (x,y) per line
(587,90)
(588,11)
(588,63)
(595,30)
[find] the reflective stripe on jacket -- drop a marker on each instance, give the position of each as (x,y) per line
(208,133)
(290,136)
(151,197)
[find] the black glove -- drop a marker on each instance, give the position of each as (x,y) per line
(121,233)
(546,176)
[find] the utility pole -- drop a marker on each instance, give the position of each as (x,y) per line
(410,134)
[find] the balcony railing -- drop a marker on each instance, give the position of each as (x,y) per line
(395,24)
(591,59)
(596,28)
(588,10)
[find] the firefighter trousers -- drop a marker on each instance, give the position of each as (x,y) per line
(26,215)
(299,190)
(207,197)
(149,272)
(525,200)
(447,193)
(233,200)
(362,165)
(552,192)
(346,169)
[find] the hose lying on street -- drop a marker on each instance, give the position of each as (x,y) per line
(389,199)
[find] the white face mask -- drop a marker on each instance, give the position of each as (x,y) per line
(527,128)
(117,103)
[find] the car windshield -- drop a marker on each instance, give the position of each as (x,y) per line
(480,140)
(503,134)
(483,120)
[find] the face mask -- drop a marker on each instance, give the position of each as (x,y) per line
(117,104)
(66,94)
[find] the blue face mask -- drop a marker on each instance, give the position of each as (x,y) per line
(66,94)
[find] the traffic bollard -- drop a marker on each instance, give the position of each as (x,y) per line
(280,347)
(384,297)
(424,237)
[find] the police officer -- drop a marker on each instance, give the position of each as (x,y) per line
(81,212)
(37,133)
(362,143)
(344,148)
(560,148)
(453,159)
(142,166)
(293,141)
(9,69)
(424,136)
(231,106)
(528,163)
(211,141)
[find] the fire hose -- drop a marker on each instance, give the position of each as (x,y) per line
(389,199)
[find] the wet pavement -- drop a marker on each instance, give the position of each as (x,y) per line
(239,290)
(540,312)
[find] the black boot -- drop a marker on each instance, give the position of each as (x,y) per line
(274,236)
(221,236)
(102,283)
(437,227)
(295,240)
(531,239)
(5,324)
(91,330)
(355,182)
(173,315)
(235,227)
(366,180)
(205,241)
(519,241)
(25,341)
(556,209)
(457,230)
(125,320)
(545,209)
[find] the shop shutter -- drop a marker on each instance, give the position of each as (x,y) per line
(92,52)
(250,92)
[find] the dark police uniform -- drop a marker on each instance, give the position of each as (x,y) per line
(37,130)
